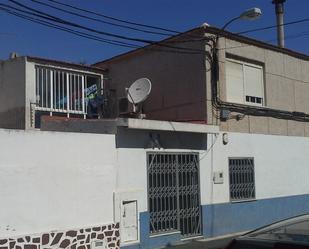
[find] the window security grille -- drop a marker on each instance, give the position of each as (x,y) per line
(173,193)
(242,183)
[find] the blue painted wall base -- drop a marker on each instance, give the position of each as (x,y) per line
(228,218)
(147,242)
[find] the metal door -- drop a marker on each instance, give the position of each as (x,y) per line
(173,193)
(129,221)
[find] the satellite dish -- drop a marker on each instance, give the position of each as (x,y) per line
(139,91)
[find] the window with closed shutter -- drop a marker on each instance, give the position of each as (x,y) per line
(244,83)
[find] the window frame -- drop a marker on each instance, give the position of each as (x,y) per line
(254,181)
(249,64)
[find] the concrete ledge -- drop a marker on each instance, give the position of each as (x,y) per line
(98,126)
(146,124)
(109,126)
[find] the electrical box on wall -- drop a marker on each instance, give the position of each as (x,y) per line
(129,223)
(218,177)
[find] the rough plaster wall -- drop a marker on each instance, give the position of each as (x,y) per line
(286,86)
(67,184)
(275,172)
(179,93)
(12,93)
(178,89)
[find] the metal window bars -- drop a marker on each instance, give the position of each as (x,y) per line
(242,181)
(63,91)
(173,193)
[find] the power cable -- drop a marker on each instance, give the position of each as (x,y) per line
(62,21)
(257,29)
(101,21)
(121,20)
(7,7)
(287,37)
(86,35)
(82,34)
(115,19)
(252,30)
(273,26)
(136,39)
(142,40)
(219,104)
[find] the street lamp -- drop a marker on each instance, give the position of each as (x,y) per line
(250,14)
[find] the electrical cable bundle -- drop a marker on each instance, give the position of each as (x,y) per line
(43,18)
(220,105)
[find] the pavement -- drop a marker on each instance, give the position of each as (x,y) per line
(217,243)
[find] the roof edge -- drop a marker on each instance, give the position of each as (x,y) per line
(120,56)
(255,42)
(64,63)
(215,31)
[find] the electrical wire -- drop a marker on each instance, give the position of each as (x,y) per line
(174,32)
(47,16)
(273,26)
(115,19)
(81,34)
(205,153)
(101,21)
(88,36)
(287,37)
(219,104)
(254,30)
(56,19)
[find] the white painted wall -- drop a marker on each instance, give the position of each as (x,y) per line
(56,181)
(51,181)
(132,173)
(281,165)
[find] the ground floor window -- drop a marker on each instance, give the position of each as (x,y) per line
(173,193)
(242,182)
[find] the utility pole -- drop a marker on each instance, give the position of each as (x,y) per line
(280,28)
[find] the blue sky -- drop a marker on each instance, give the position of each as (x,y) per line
(27,38)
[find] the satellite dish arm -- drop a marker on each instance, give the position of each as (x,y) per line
(129,94)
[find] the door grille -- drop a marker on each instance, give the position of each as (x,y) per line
(173,192)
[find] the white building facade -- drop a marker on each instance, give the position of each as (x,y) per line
(253,172)
(190,172)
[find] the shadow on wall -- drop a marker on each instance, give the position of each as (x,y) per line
(160,139)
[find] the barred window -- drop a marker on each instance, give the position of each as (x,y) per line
(242,183)
(60,90)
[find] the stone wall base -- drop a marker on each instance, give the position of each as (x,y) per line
(73,239)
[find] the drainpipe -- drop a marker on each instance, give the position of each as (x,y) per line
(280,28)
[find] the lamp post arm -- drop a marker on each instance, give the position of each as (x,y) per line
(229,22)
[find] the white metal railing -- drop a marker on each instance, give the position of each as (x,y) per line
(63,91)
